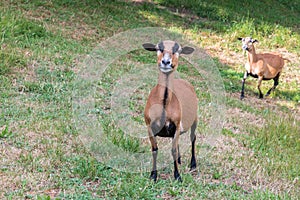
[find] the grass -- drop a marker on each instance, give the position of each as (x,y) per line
(279,135)
(43,47)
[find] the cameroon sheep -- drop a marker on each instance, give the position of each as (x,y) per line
(265,66)
(171,108)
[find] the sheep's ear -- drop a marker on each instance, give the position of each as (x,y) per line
(239,38)
(253,41)
(149,47)
(187,50)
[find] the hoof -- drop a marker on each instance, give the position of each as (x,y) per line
(178,179)
(193,164)
(153,175)
(242,96)
(177,176)
(193,168)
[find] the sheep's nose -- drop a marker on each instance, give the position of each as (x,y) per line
(245,47)
(166,59)
(165,62)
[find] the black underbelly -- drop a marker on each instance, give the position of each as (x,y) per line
(253,75)
(167,131)
(256,76)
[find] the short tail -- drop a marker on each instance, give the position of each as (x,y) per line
(287,59)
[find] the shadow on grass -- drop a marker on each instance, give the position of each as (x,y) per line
(283,12)
(108,18)
(289,95)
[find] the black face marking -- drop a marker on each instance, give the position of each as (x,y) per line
(175,48)
(161,47)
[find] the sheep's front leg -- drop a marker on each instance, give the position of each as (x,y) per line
(179,157)
(260,78)
(243,85)
(154,147)
(175,155)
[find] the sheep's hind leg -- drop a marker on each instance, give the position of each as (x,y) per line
(193,140)
(175,156)
(260,78)
(276,82)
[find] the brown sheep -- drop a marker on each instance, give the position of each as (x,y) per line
(171,108)
(264,66)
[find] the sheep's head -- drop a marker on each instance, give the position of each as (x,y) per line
(247,43)
(167,54)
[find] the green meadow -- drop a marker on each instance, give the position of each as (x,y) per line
(247,149)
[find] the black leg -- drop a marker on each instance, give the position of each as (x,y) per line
(276,82)
(243,85)
(193,159)
(260,78)
(175,155)
(179,156)
(193,140)
(176,172)
(153,175)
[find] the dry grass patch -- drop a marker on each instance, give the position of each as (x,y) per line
(237,120)
(231,163)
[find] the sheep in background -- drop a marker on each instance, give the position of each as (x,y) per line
(265,66)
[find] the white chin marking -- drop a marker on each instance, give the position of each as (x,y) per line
(165,70)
